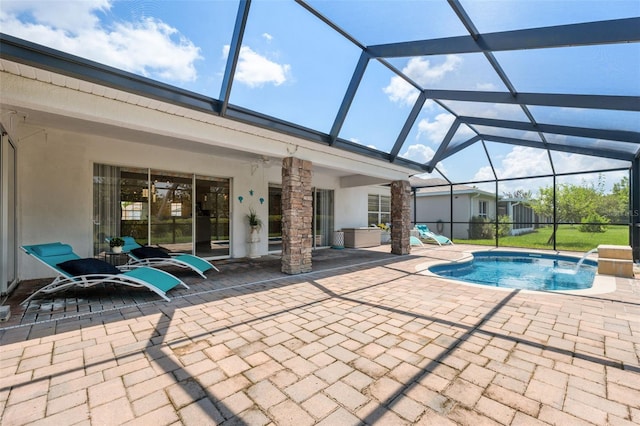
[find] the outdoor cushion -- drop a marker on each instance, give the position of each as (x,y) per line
(53,249)
(146,252)
(88,266)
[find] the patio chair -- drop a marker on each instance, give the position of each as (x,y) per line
(157,257)
(426,234)
(74,271)
(415,242)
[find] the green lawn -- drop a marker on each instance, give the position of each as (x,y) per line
(568,238)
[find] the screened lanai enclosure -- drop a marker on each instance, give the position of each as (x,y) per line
(510,117)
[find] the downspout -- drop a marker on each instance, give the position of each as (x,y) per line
(451,212)
(415,206)
(471,214)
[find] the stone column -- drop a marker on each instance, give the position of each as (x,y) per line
(400,217)
(297,216)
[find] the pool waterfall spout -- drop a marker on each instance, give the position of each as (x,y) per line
(581,261)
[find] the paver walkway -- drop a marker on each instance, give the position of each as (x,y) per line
(364,339)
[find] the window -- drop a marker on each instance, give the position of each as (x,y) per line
(379,210)
(482,209)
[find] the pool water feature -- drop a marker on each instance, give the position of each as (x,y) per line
(527,271)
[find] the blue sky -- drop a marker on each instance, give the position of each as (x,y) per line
(294,67)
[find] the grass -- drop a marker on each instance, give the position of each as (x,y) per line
(568,238)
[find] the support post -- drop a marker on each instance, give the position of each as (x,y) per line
(297,216)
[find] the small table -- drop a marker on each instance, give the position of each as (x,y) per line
(116,259)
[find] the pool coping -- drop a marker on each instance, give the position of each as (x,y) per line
(602,284)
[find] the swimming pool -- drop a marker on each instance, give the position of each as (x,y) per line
(528,271)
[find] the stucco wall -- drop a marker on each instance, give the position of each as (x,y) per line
(433,208)
(55,192)
(55,167)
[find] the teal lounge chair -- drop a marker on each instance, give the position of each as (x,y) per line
(74,271)
(156,257)
(426,234)
(415,242)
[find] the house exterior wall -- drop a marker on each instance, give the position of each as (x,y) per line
(351,207)
(61,129)
(55,188)
(433,209)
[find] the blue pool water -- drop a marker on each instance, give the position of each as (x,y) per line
(522,271)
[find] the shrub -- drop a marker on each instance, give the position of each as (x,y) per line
(481,228)
(593,223)
(504,226)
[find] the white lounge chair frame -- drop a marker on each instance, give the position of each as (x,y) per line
(132,276)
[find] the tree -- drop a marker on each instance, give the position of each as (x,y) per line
(575,204)
(615,206)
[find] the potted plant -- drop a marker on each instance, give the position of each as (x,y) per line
(385,234)
(255,223)
(254,220)
(116,244)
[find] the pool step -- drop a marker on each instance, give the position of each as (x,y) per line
(615,260)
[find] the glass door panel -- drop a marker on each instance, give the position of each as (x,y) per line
(322,217)
(275,218)
(134,204)
(212,217)
(171,216)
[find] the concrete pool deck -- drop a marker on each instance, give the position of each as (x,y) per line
(366,338)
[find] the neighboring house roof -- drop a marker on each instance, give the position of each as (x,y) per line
(435,186)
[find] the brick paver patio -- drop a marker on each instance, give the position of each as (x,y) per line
(364,339)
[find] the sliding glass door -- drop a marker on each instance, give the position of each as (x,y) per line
(212,217)
(275,218)
(322,217)
(171,214)
(160,208)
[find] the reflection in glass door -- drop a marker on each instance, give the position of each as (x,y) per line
(322,217)
(212,217)
(133,218)
(171,211)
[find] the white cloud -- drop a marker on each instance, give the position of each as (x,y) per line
(255,70)
(484,173)
(486,86)
(418,153)
(72,16)
(525,161)
(267,36)
(436,130)
(422,72)
(401,92)
(147,47)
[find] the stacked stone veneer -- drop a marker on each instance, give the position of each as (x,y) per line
(400,217)
(297,216)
